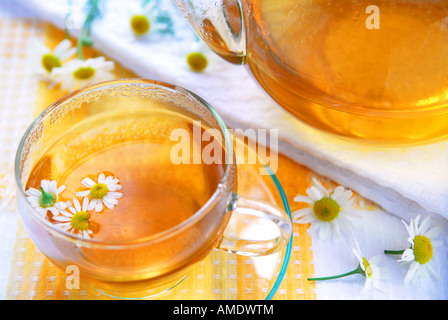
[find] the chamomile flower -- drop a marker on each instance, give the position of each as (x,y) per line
(75,220)
(150,19)
(140,24)
(197,61)
(79,73)
(46,59)
(46,199)
(367,268)
(329,211)
(198,56)
(104,191)
(420,255)
(370,269)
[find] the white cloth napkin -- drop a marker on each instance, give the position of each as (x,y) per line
(404,181)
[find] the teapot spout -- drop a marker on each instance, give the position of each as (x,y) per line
(220,24)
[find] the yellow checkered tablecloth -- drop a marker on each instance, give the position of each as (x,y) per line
(32,276)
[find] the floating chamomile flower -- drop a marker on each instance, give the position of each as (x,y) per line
(104,191)
(367,268)
(75,220)
(79,73)
(420,254)
(330,212)
(47,60)
(46,199)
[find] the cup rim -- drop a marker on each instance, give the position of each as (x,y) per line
(155,237)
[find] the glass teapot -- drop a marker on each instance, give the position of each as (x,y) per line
(374,73)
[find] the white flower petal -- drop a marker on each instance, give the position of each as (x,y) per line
(302,212)
(34,201)
(61,218)
(61,189)
(98,206)
(116,195)
(82,193)
(108,204)
(109,199)
(67,214)
(53,210)
(300,198)
(429,266)
(408,255)
(85,234)
(314,194)
(412,272)
(357,252)
(45,184)
(335,228)
(341,196)
(424,226)
(61,47)
(324,231)
(108,180)
(41,211)
(33,193)
(68,54)
(60,205)
(85,204)
(64,226)
(89,183)
(318,185)
(92,204)
(434,232)
(77,205)
(53,187)
(101,178)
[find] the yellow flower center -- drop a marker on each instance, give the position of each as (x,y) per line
(326,209)
(83,73)
(367,267)
(50,61)
(80,221)
(140,24)
(98,191)
(197,61)
(422,249)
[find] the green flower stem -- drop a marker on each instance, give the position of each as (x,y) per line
(393,251)
(47,199)
(357,270)
(93,11)
(67,17)
(79,47)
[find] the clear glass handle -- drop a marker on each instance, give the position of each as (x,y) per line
(220,23)
(257,228)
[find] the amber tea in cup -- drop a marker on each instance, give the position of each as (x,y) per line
(130,216)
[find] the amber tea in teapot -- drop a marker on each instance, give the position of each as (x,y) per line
(374,71)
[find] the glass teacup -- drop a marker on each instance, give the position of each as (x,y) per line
(147,242)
